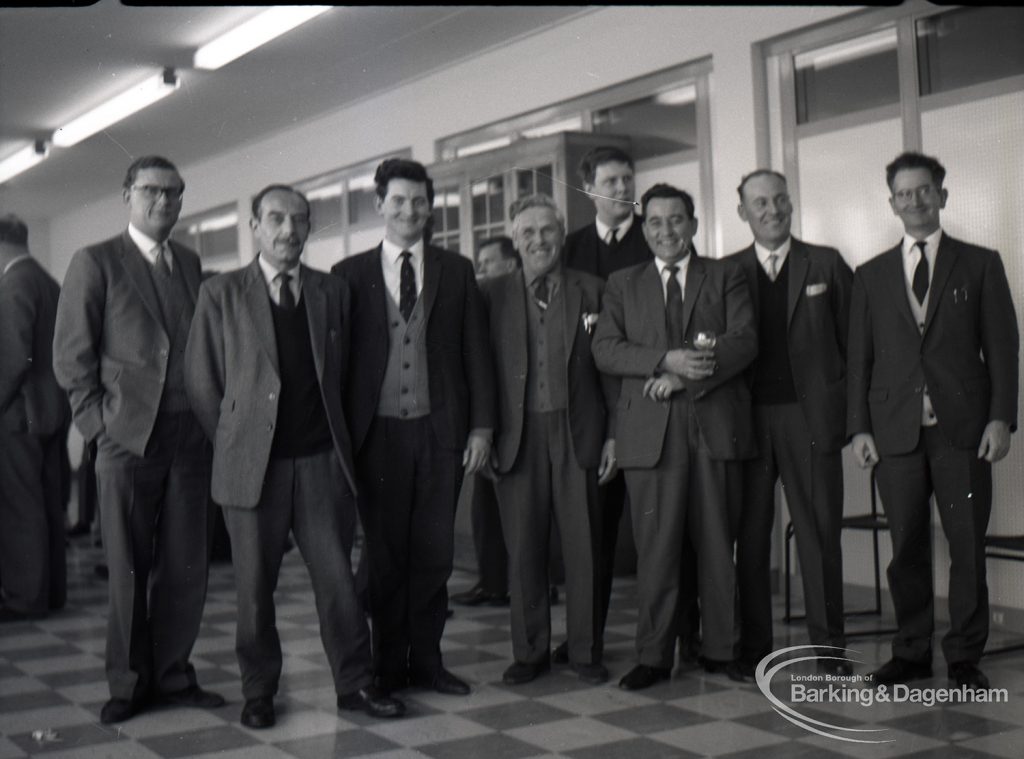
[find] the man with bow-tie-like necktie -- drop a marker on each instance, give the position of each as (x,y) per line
(933,370)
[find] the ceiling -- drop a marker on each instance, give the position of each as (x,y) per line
(56,63)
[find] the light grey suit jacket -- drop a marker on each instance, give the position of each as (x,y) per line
(110,345)
(233,380)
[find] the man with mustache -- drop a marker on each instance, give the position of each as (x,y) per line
(267,361)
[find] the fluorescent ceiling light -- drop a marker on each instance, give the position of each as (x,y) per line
(118,107)
(571,124)
(23,160)
(257,31)
(678,96)
(482,147)
(848,50)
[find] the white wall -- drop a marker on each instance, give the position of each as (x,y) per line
(603,48)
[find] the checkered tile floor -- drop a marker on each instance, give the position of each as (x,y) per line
(52,687)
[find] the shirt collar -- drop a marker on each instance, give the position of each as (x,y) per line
(13,261)
(554,278)
(144,243)
(603,229)
(684,265)
(931,245)
(782,251)
(392,253)
(270,273)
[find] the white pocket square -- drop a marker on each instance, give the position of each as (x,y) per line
(816,289)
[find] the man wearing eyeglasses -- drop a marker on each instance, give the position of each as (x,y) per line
(932,374)
(119,346)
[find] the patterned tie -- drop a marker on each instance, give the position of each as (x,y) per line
(163,263)
(285,297)
(773,266)
(407,287)
(920,283)
(674,309)
(540,292)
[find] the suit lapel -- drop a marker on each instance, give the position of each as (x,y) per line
(515,305)
(652,304)
(257,300)
(137,269)
(432,267)
(192,277)
(896,280)
(573,307)
(945,259)
(694,280)
(750,264)
(377,296)
(797,275)
(316,311)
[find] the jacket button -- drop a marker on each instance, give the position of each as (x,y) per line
(272,396)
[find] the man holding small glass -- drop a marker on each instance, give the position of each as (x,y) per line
(683,416)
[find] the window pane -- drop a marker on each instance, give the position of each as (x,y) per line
(361,206)
(969,46)
(850,76)
(658,124)
(496,200)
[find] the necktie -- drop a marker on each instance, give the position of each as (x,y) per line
(407,287)
(163,264)
(673,309)
(613,236)
(285,298)
(540,292)
(920,283)
(773,266)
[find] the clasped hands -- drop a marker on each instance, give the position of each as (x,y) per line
(678,364)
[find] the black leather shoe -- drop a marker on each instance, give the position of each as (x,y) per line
(194,696)
(118,710)
(561,653)
(898,670)
(642,676)
(594,674)
(964,673)
(522,672)
(478,596)
(730,669)
(258,713)
(835,668)
(443,682)
(372,701)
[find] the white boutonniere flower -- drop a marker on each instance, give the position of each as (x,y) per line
(589,320)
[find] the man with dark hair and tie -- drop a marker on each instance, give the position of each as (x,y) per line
(554,443)
(119,350)
(34,418)
(680,332)
(801,297)
(420,402)
(933,370)
(495,256)
(267,361)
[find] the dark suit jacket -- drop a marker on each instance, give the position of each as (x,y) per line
(460,373)
(591,395)
(233,379)
(30,398)
(583,244)
(818,323)
(630,341)
(110,347)
(967,355)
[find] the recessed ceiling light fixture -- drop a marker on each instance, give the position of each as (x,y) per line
(118,107)
(257,31)
(23,159)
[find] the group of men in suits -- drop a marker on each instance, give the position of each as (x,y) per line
(600,355)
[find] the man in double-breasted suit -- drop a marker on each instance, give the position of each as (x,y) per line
(553,446)
(267,360)
(420,402)
(683,416)
(801,297)
(34,418)
(119,350)
(933,370)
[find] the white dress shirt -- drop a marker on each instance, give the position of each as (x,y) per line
(911,257)
(684,266)
(149,247)
(391,263)
(780,253)
(621,230)
(274,281)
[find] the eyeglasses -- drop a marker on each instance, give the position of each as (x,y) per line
(154,191)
